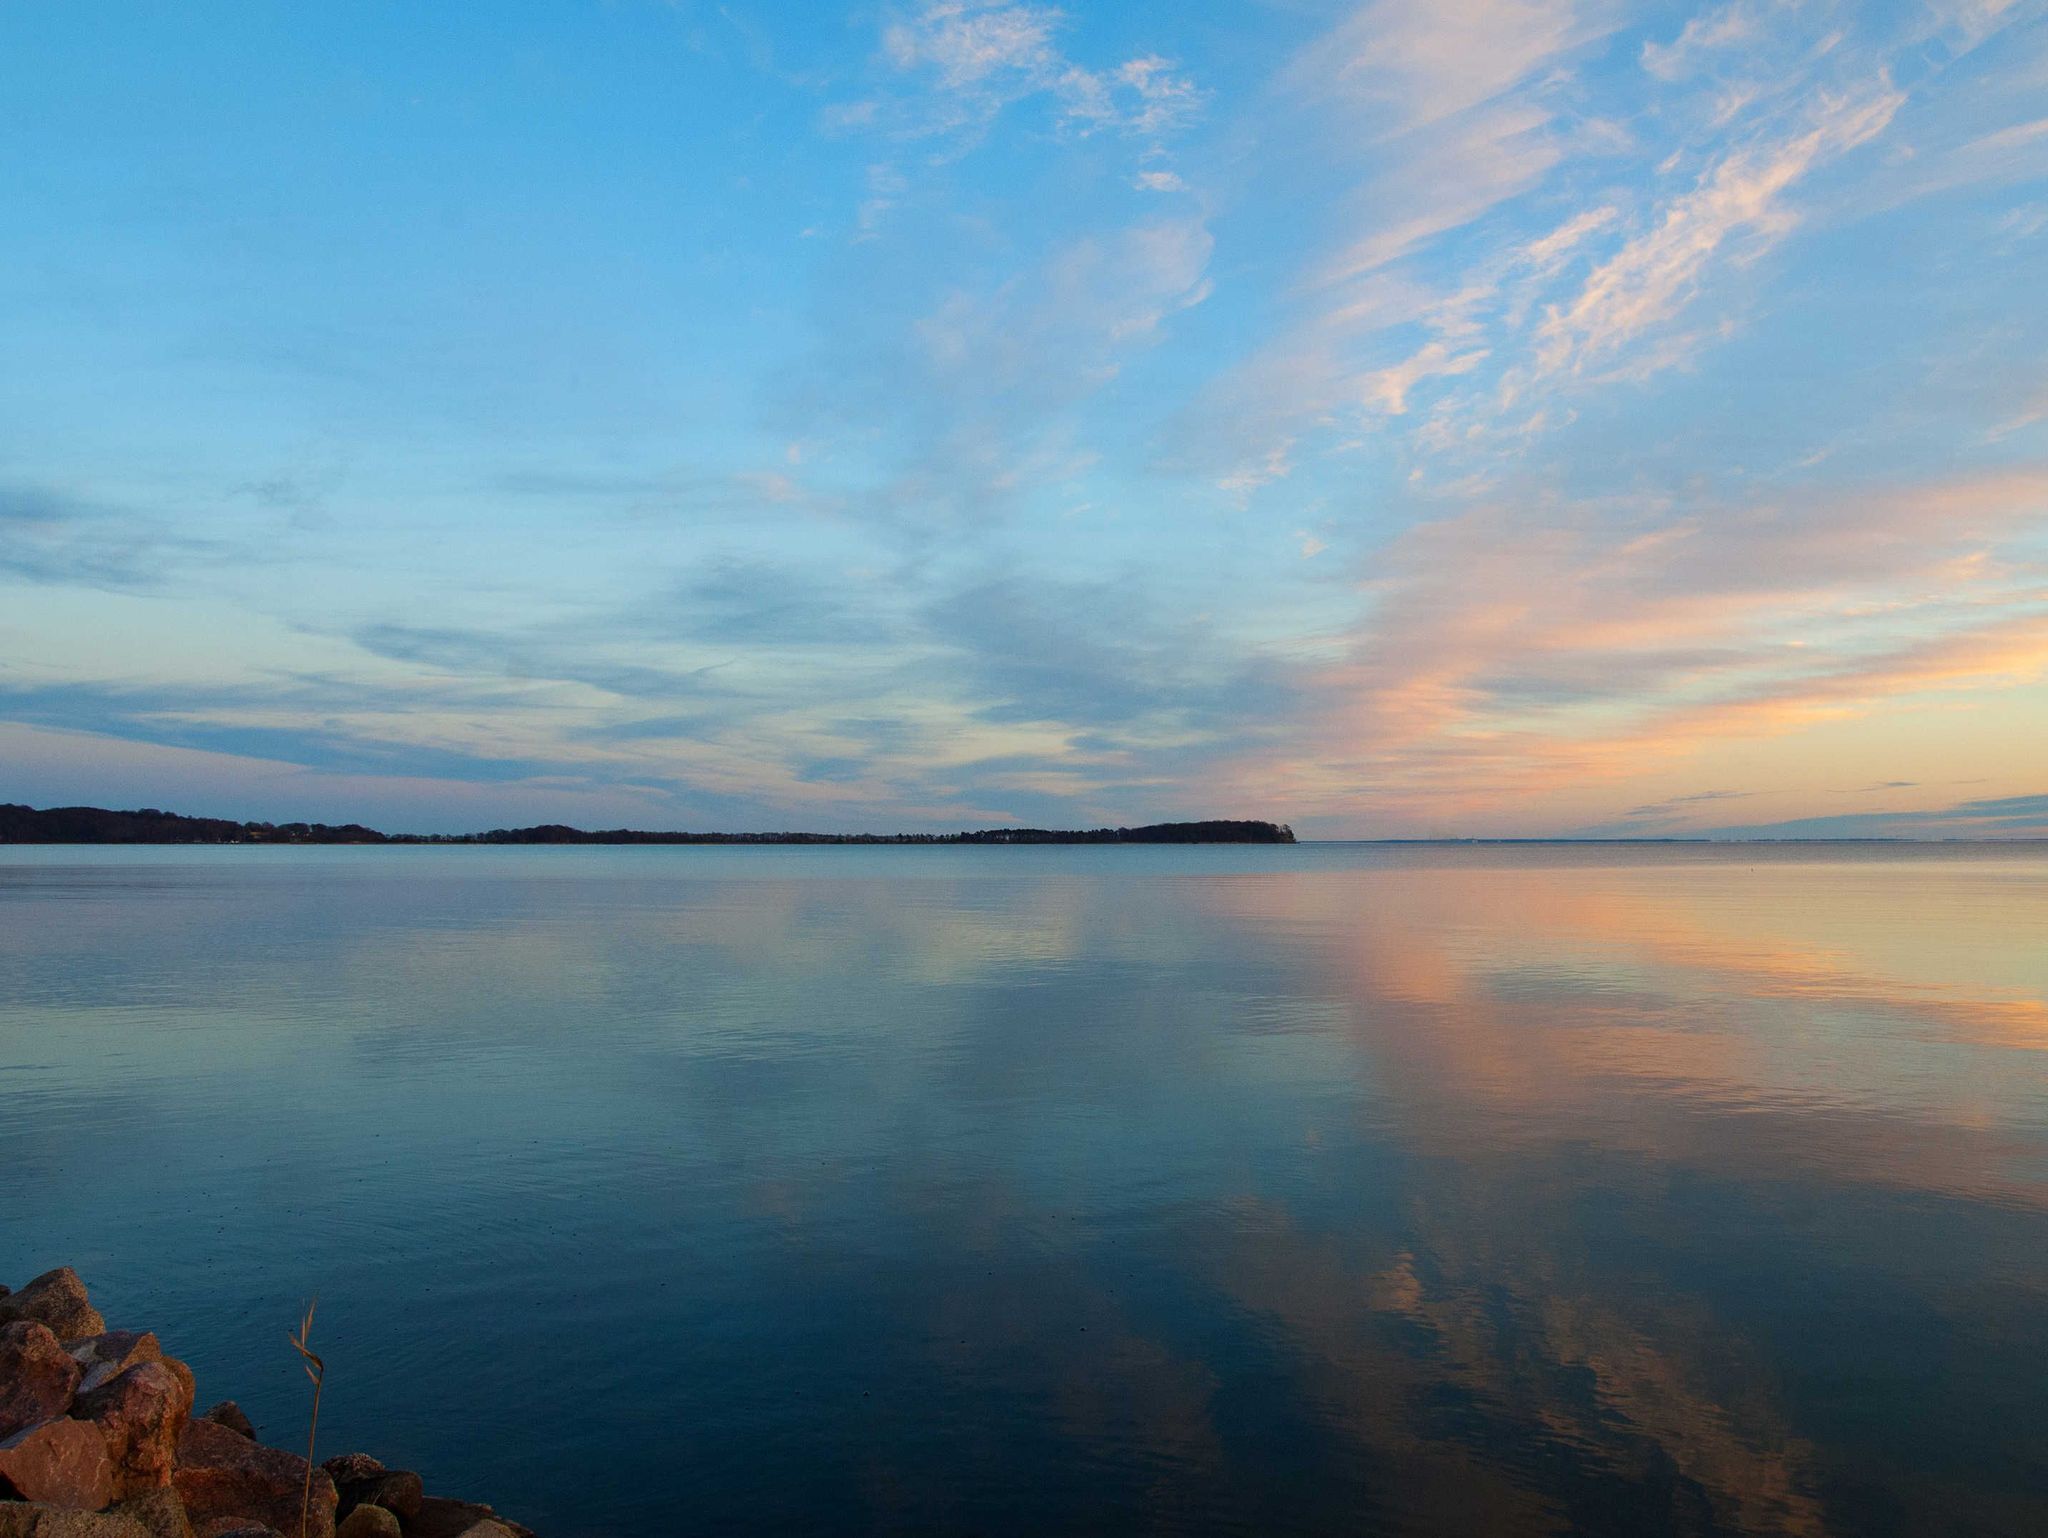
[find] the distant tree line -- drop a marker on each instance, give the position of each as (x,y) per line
(97,825)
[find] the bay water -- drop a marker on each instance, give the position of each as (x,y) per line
(1314,1190)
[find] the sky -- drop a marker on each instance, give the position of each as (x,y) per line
(1420,418)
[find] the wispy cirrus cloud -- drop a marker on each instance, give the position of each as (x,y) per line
(1518,201)
(1702,36)
(981,56)
(1650,279)
(954,66)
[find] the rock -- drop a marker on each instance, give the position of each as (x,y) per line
(143,1413)
(160,1512)
(396,1490)
(221,1473)
(229,1414)
(20,1519)
(439,1518)
(352,1467)
(369,1522)
(109,1354)
(236,1527)
(442,1518)
(56,1300)
(62,1462)
(37,1376)
(188,1386)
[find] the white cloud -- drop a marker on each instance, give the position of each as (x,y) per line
(886,186)
(1702,34)
(982,56)
(1653,277)
(1421,61)
(958,65)
(1387,389)
(1443,181)
(971,45)
(2017,136)
(1547,253)
(1146,96)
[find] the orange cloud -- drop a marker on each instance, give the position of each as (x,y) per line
(1508,651)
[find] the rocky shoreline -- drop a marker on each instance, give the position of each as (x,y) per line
(98,1439)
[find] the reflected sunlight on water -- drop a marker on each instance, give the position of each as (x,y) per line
(1316,1190)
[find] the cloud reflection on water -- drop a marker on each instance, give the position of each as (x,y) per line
(1306,1191)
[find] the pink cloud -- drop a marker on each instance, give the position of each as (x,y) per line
(1509,650)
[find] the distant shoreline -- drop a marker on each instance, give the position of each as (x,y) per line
(91,825)
(99,825)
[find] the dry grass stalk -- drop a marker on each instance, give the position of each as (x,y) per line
(317,1371)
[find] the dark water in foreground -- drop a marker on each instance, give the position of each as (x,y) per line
(1031,1191)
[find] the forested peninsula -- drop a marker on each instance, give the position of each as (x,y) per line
(98,825)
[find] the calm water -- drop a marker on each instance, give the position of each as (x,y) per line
(1334,1189)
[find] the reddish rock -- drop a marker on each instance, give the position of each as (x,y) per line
(223,1474)
(56,1300)
(143,1412)
(21,1519)
(37,1376)
(236,1527)
(111,1353)
(229,1414)
(62,1462)
(187,1385)
(160,1512)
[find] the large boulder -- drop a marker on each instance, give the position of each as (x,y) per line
(229,1414)
(57,1300)
(37,1376)
(110,1353)
(62,1462)
(143,1411)
(345,1468)
(396,1490)
(360,1480)
(160,1512)
(22,1519)
(188,1386)
(369,1522)
(441,1518)
(221,1473)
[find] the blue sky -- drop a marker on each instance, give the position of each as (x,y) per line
(1429,416)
